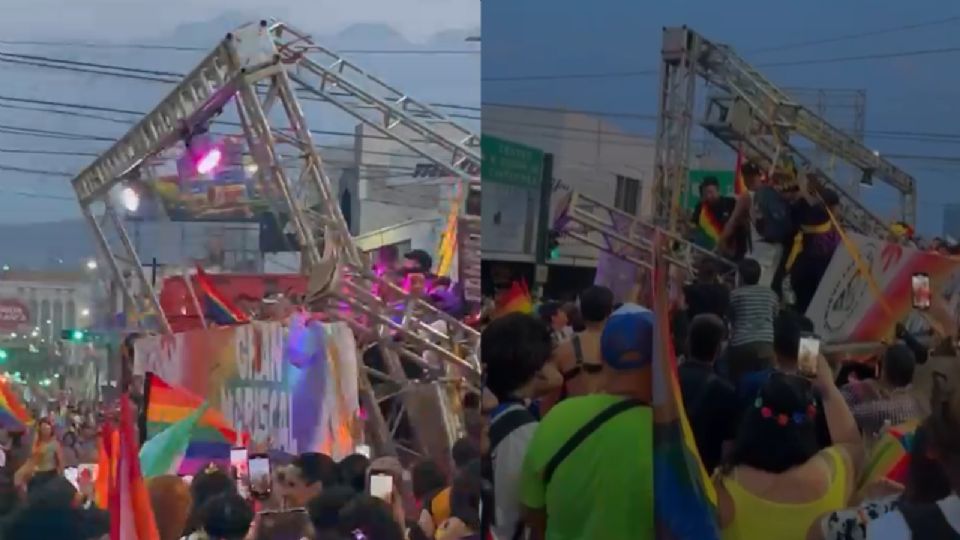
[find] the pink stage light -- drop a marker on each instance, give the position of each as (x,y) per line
(209,161)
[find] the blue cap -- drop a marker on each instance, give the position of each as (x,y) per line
(627,340)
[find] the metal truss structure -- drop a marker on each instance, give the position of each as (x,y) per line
(257,69)
(749,112)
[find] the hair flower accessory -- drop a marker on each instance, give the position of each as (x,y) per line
(766,412)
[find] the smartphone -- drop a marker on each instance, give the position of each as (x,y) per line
(290,524)
(363,450)
(921,291)
(808,355)
(72,475)
(259,473)
(381,486)
(88,471)
(238,462)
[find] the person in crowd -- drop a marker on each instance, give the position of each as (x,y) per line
(353,471)
(819,239)
(417,261)
(889,400)
(601,484)
(556,318)
(431,493)
(464,520)
(706,294)
(753,308)
(578,358)
(369,518)
(574,317)
(226,516)
(207,484)
(54,509)
(171,501)
(307,475)
(926,483)
(719,206)
(324,510)
(941,518)
(710,401)
(776,482)
(46,460)
(515,354)
(465,451)
(763,211)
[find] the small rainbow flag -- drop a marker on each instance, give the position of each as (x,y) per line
(890,455)
(710,224)
(516,299)
(13,415)
(165,404)
(106,465)
(131,513)
(217,307)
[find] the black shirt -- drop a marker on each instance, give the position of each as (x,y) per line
(712,408)
(706,298)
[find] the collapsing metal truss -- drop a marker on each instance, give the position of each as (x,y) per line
(751,114)
(288,63)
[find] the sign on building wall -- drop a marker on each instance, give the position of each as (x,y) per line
(14,314)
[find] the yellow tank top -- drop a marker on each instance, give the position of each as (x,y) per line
(759,519)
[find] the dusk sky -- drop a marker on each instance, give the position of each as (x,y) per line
(910,105)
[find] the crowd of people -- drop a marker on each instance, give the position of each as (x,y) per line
(309,496)
(786,440)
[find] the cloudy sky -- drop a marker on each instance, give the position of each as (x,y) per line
(118,20)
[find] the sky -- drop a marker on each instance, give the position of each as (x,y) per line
(118,20)
(910,100)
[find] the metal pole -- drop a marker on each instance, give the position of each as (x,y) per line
(543,225)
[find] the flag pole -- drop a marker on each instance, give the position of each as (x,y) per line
(193,297)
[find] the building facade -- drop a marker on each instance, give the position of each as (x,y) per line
(45,303)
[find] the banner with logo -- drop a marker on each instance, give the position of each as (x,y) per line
(301,401)
(844,310)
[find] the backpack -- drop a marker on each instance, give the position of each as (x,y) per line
(501,426)
(772,215)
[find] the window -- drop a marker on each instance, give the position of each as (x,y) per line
(627,197)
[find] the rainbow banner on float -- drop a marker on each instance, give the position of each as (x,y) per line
(844,310)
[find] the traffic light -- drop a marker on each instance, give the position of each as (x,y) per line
(3,355)
(77,335)
(553,245)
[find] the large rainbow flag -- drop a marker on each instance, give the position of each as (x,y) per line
(165,404)
(217,307)
(515,300)
(685,499)
(13,415)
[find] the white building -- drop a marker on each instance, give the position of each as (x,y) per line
(45,302)
(591,156)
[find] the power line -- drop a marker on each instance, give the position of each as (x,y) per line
(647,72)
(182,48)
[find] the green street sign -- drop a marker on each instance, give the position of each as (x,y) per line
(510,163)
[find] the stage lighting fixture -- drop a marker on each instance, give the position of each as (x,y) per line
(130,199)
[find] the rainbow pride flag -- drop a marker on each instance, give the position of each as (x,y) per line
(211,437)
(13,415)
(131,513)
(685,498)
(890,456)
(710,225)
(516,300)
(217,307)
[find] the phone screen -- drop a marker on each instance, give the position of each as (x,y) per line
(921,291)
(238,462)
(381,486)
(88,471)
(258,467)
(808,355)
(292,524)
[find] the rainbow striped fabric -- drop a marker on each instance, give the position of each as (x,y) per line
(516,300)
(131,513)
(685,499)
(13,415)
(165,405)
(217,307)
(890,456)
(710,225)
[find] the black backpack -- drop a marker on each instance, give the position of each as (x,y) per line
(772,215)
(500,427)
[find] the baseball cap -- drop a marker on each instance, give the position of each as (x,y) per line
(627,339)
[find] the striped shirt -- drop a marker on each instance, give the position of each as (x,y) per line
(752,311)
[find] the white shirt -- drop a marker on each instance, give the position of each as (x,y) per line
(507,464)
(893,527)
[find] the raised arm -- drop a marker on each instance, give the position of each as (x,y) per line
(740,211)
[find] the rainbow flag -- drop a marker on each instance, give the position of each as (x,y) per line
(710,225)
(106,465)
(685,499)
(13,415)
(165,404)
(131,513)
(217,307)
(516,300)
(164,453)
(890,456)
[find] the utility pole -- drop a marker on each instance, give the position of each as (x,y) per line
(541,272)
